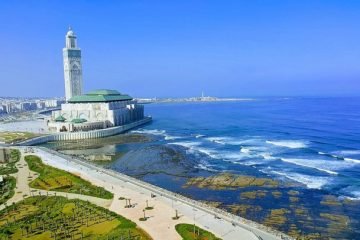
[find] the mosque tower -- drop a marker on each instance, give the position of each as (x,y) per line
(72,66)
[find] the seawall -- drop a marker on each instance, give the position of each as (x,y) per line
(100,133)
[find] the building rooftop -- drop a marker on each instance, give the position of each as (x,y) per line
(102,95)
(79,120)
(60,119)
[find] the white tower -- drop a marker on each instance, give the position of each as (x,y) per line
(72,66)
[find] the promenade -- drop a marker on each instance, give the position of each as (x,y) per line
(160,224)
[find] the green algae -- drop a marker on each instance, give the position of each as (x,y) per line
(330,200)
(253,194)
(230,181)
(244,209)
(276,194)
(276,217)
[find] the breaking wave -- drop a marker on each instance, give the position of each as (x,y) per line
(352,160)
(317,164)
(348,152)
(288,143)
(157,132)
(310,181)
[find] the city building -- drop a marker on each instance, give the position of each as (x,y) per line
(99,109)
(4,155)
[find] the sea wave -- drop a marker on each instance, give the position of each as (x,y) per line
(348,152)
(288,143)
(267,156)
(346,159)
(199,136)
(157,132)
(194,148)
(206,166)
(352,160)
(150,131)
(315,164)
(313,182)
(219,140)
(245,150)
(231,140)
(351,192)
(186,144)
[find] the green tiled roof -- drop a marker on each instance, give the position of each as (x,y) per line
(102,95)
(60,119)
(104,92)
(78,120)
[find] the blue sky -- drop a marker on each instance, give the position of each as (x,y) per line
(180,48)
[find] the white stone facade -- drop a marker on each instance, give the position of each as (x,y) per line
(72,66)
(97,115)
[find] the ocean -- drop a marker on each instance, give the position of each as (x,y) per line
(313,141)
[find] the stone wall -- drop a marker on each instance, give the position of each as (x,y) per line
(85,135)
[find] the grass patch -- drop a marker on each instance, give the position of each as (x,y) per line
(43,217)
(12,137)
(53,179)
(7,189)
(186,231)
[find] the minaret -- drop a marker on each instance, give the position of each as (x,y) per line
(72,66)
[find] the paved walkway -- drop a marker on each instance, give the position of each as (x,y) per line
(24,176)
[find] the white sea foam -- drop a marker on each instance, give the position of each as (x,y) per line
(150,131)
(352,160)
(245,150)
(310,181)
(352,192)
(199,136)
(194,147)
(288,143)
(211,153)
(356,195)
(206,166)
(267,156)
(231,140)
(315,164)
(346,159)
(348,152)
(169,137)
(190,145)
(219,140)
(157,132)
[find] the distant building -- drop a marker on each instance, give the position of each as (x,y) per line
(28,106)
(40,104)
(52,103)
(72,66)
(4,155)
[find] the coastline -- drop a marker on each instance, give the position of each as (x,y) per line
(166,202)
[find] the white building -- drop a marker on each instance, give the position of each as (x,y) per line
(95,110)
(72,66)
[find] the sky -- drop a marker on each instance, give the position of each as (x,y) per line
(180,48)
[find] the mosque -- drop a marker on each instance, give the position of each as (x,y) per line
(99,109)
